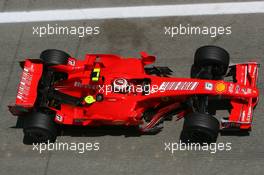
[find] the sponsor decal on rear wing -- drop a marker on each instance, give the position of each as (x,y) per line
(27,89)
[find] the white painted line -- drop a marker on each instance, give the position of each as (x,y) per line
(134,12)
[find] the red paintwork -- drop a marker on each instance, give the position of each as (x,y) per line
(127,108)
(27,89)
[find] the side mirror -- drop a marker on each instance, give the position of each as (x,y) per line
(147,59)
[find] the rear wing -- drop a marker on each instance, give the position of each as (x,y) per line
(28,86)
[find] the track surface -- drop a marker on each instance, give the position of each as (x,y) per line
(120,151)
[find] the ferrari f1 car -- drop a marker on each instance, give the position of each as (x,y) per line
(105,89)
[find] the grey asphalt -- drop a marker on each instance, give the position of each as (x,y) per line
(24,5)
(121,152)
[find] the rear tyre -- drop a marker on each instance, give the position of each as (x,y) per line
(54,57)
(200,128)
(210,62)
(39,128)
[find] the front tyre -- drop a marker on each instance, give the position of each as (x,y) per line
(200,128)
(210,62)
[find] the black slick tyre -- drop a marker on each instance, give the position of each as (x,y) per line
(39,128)
(54,57)
(200,128)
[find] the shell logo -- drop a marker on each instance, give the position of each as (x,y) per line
(220,87)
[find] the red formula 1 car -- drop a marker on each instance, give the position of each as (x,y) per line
(107,89)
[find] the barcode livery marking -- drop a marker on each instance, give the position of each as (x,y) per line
(169,86)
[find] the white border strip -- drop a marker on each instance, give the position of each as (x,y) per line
(133,12)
